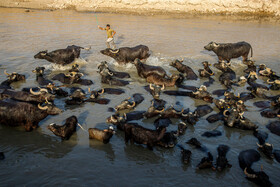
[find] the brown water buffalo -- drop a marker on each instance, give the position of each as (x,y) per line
(65,131)
(125,55)
(145,70)
(162,81)
(72,78)
(104,66)
(186,70)
(101,135)
(227,51)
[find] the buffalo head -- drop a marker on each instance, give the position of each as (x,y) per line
(95,94)
(155,90)
(267,149)
(14,76)
(42,94)
(116,119)
(41,54)
(211,46)
(39,70)
(259,177)
(50,108)
(110,52)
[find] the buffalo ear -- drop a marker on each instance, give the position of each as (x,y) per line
(215,44)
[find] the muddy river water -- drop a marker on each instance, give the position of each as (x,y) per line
(39,158)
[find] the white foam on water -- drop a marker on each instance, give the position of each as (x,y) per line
(58,67)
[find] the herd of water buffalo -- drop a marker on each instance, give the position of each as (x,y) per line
(31,105)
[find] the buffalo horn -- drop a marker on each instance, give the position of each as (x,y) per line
(252,176)
(151,87)
(162,88)
(224,113)
(5,71)
(114,51)
(42,108)
(34,93)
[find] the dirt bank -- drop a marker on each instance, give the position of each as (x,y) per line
(242,7)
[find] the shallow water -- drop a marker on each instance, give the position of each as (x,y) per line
(40,158)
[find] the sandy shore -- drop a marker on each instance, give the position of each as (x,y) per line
(270,8)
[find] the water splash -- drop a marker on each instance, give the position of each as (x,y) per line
(57,67)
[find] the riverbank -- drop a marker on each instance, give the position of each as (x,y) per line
(259,8)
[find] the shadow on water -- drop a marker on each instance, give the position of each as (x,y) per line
(106,148)
(26,142)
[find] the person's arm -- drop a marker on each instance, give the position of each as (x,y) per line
(101,28)
(114,32)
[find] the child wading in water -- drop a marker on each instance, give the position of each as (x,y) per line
(110,36)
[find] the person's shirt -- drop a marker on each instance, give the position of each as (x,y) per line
(110,33)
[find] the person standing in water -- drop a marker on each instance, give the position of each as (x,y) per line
(110,36)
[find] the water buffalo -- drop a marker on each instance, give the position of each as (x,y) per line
(65,131)
(206,71)
(109,78)
(169,140)
(75,68)
(104,66)
(275,85)
(15,113)
(101,135)
(250,67)
(77,96)
(206,162)
(186,70)
(51,88)
(145,70)
(130,103)
(227,51)
(42,81)
(156,108)
(141,135)
(212,133)
(114,91)
(125,55)
(194,142)
(172,112)
(182,127)
(274,127)
(222,162)
(72,78)
(246,158)
(186,154)
(34,97)
(261,136)
(226,78)
(162,81)
(155,90)
(266,149)
(13,77)
(60,56)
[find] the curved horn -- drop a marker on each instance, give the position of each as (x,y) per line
(160,110)
(113,120)
(195,93)
(162,88)
(34,93)
(43,90)
(109,73)
(81,127)
(42,108)
(133,105)
(224,113)
(5,71)
(102,91)
(252,176)
(151,87)
(114,51)
(259,145)
(238,95)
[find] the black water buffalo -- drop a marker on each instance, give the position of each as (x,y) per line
(169,140)
(13,77)
(186,70)
(125,55)
(72,78)
(186,154)
(51,88)
(42,81)
(60,56)
(227,51)
(274,127)
(212,133)
(145,70)
(141,135)
(35,97)
(182,127)
(156,108)
(226,78)
(246,158)
(75,68)
(109,78)
(104,66)
(65,131)
(15,113)
(222,162)
(130,102)
(266,149)
(77,96)
(101,135)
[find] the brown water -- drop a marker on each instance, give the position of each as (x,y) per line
(40,158)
